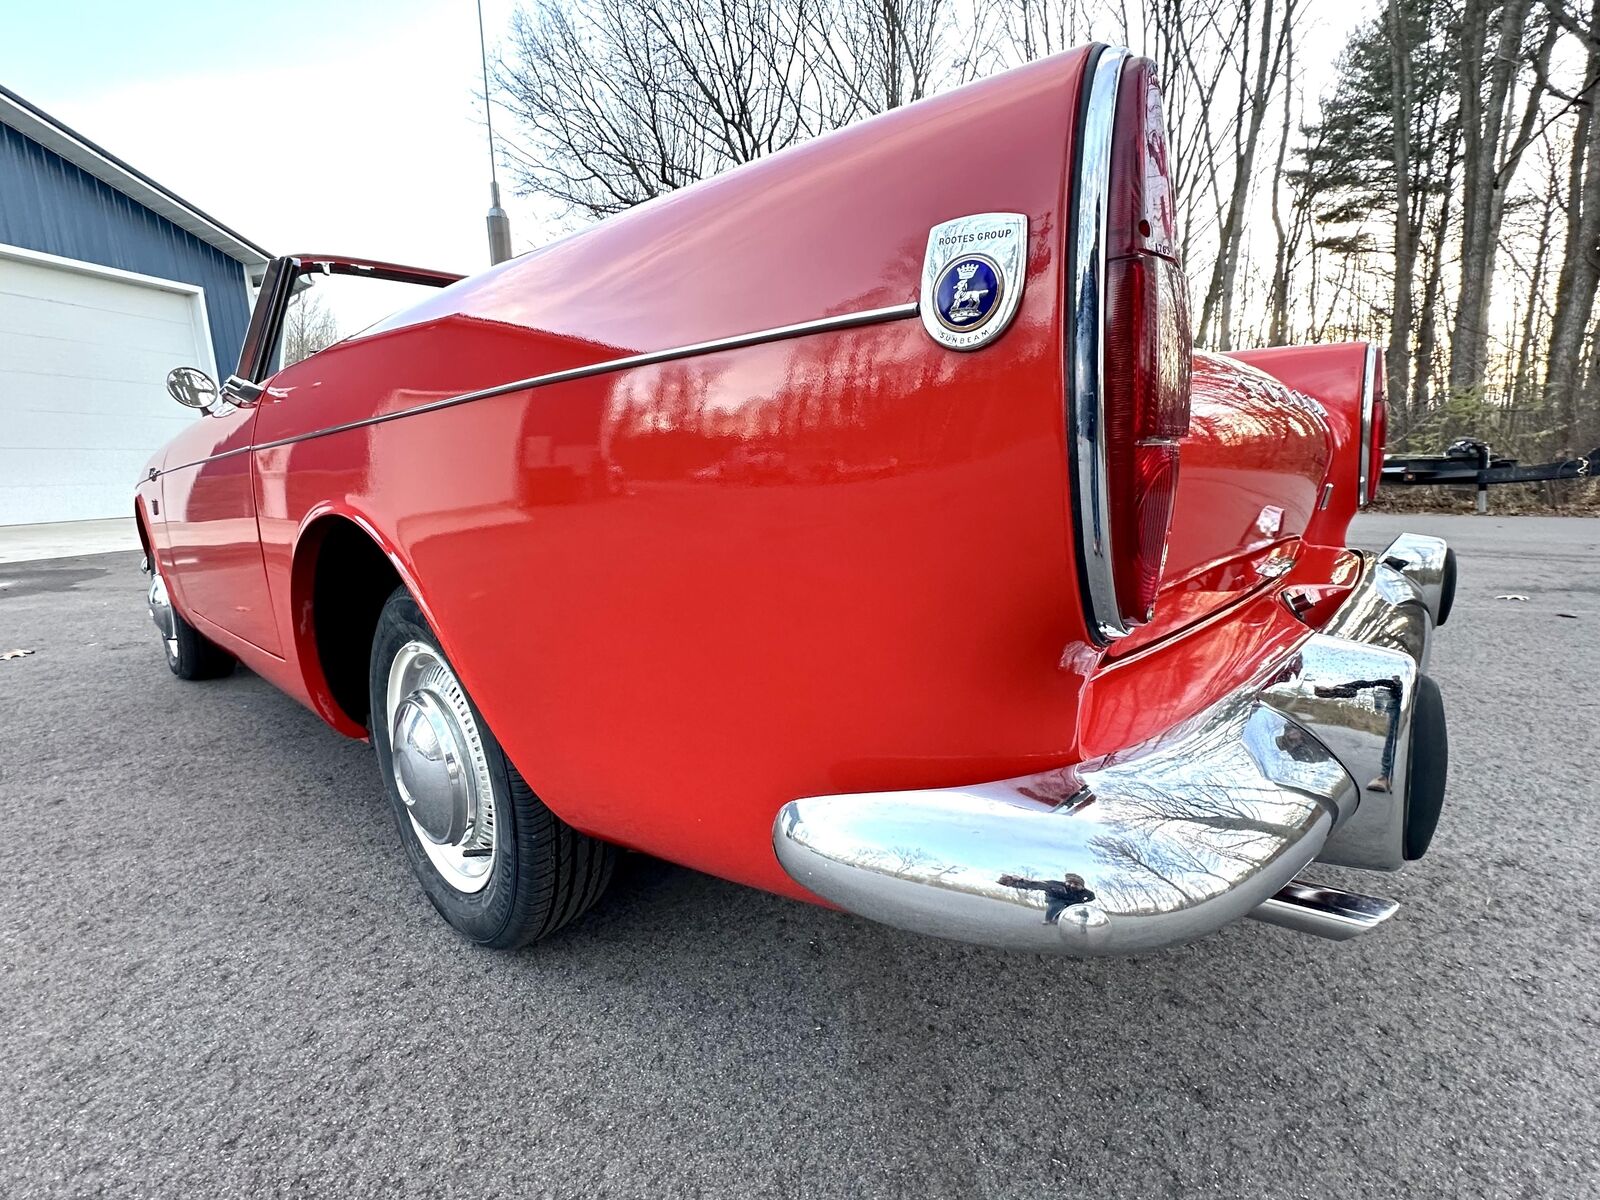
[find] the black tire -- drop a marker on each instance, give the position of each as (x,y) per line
(1427,770)
(192,655)
(544,874)
(1447,587)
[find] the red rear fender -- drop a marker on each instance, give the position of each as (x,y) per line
(1346,379)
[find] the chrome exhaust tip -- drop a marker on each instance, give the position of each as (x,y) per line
(1326,912)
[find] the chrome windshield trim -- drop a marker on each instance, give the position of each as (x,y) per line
(1086,307)
(1369,375)
(870,316)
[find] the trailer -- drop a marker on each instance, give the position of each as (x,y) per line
(1469,461)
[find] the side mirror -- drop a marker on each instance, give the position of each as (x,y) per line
(192,388)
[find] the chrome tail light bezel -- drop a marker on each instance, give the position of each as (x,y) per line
(1085,308)
(1369,376)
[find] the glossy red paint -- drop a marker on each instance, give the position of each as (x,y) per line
(685,593)
(209,548)
(1333,374)
(1252,465)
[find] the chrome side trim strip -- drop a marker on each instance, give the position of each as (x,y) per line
(871,316)
(234,453)
(1086,309)
(1369,374)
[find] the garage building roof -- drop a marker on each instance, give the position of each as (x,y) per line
(71,145)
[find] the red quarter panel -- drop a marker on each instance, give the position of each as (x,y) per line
(686,593)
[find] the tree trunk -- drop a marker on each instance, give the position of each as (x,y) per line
(1488,161)
(1397,366)
(1428,331)
(1522,381)
(1580,265)
(1587,433)
(1216,314)
(1278,299)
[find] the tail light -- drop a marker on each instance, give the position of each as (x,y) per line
(1131,346)
(1374,426)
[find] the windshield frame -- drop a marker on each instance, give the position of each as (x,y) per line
(283,277)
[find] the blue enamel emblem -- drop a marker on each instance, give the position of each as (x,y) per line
(968,293)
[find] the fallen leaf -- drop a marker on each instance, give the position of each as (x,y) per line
(1569,616)
(16,654)
(1513,596)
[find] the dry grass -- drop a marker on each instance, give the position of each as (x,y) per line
(1562,497)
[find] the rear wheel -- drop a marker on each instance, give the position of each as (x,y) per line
(491,857)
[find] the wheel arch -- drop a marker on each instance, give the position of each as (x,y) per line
(343,570)
(144,532)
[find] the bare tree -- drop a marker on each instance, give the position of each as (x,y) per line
(879,54)
(1535,315)
(1398,362)
(1494,139)
(631,99)
(1422,379)
(1290,233)
(1580,264)
(1031,29)
(1190,40)
(1272,39)
(308,326)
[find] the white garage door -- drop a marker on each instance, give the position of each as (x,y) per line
(84,355)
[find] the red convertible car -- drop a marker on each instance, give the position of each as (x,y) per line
(860,525)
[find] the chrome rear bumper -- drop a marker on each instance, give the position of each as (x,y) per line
(1174,838)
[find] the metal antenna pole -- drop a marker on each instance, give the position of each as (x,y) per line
(499,223)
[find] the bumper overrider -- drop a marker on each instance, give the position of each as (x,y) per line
(1335,753)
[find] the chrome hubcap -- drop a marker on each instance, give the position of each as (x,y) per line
(440,768)
(161,614)
(427,766)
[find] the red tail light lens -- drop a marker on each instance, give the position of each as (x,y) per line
(1147,361)
(1146,347)
(1140,214)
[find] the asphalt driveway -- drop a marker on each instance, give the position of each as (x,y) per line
(217,977)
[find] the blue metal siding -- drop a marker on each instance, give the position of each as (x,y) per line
(49,205)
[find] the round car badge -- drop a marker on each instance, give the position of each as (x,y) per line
(972,278)
(968,293)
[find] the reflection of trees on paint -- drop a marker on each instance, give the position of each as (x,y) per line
(831,408)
